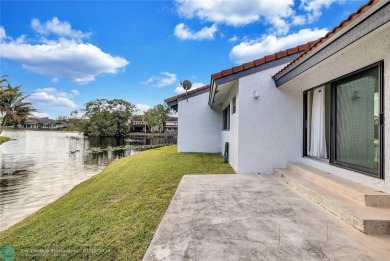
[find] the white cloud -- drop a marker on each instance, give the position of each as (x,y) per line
(298,20)
(75,92)
(41,115)
(51,98)
(251,50)
(179,90)
(142,108)
(78,62)
(55,80)
(2,33)
(233,39)
(281,27)
(233,12)
(62,58)
(162,80)
(280,14)
(55,26)
(196,85)
(313,7)
(183,32)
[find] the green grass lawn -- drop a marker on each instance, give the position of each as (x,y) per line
(3,139)
(116,211)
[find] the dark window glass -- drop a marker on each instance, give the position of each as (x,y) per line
(234,105)
(226,118)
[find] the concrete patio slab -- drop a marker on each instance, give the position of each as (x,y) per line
(255,217)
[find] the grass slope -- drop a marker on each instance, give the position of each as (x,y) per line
(117,210)
(3,139)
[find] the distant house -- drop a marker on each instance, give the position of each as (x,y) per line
(61,125)
(138,125)
(44,123)
(170,126)
(322,104)
(31,123)
(47,123)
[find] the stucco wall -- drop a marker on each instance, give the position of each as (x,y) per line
(231,135)
(199,127)
(269,126)
(368,50)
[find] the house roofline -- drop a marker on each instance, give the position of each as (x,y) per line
(328,38)
(173,98)
(263,60)
(254,66)
(172,102)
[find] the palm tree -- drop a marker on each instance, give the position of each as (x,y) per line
(12,103)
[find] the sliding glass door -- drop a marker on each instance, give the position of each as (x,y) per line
(343,121)
(357,131)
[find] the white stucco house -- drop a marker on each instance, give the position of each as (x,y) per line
(322,104)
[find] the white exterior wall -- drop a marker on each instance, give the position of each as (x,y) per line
(199,127)
(231,135)
(372,48)
(269,126)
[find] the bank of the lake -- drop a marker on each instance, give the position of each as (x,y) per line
(115,212)
(3,139)
(39,166)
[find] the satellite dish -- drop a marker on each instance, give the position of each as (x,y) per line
(186,85)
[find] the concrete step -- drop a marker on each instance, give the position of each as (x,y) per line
(369,220)
(346,188)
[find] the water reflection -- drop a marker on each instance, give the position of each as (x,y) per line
(37,167)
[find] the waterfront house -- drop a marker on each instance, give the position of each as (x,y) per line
(170,126)
(41,123)
(31,123)
(44,123)
(320,103)
(137,124)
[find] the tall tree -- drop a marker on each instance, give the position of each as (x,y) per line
(13,104)
(157,116)
(108,117)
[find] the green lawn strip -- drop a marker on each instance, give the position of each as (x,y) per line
(3,139)
(118,210)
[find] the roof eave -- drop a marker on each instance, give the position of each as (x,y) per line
(251,70)
(334,37)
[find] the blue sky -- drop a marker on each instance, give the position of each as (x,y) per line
(66,53)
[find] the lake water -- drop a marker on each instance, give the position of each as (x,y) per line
(38,167)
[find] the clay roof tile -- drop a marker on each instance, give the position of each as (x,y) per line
(238,68)
(248,65)
(270,57)
(227,72)
(259,61)
(281,54)
(292,50)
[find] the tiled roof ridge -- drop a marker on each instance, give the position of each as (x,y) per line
(263,60)
(188,92)
(336,29)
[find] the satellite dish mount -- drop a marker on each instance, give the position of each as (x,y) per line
(186,84)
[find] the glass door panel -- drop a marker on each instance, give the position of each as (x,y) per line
(357,121)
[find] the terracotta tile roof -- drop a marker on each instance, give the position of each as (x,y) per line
(320,41)
(184,94)
(262,60)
